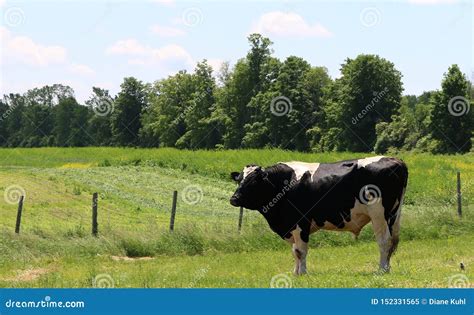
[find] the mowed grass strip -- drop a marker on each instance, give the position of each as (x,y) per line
(432,177)
(417,264)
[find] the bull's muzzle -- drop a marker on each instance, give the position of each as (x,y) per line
(234,200)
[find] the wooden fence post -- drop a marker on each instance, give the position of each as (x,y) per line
(95,225)
(173,210)
(459,195)
(18,215)
(241,214)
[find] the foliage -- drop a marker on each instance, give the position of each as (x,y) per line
(260,102)
(125,119)
(452,121)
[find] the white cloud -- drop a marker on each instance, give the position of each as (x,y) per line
(127,47)
(432,2)
(24,50)
(166,31)
(216,64)
(169,56)
(81,69)
(167,3)
(171,53)
(288,24)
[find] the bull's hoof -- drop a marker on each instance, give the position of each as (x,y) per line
(299,272)
(383,270)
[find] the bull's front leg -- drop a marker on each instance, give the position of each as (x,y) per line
(296,270)
(300,250)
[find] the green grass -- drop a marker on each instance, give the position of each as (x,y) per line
(417,264)
(432,178)
(136,186)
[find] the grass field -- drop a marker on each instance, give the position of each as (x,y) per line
(135,249)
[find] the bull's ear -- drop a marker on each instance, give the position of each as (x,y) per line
(235,176)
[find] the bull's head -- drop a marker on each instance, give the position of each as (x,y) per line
(252,189)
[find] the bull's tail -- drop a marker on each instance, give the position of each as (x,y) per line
(401,173)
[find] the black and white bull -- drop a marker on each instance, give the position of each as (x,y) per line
(298,199)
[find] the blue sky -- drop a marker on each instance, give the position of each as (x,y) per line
(98,43)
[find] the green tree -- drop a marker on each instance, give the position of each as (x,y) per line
(49,95)
(287,108)
(452,119)
(99,126)
(126,117)
(409,128)
(368,92)
(3,127)
(201,131)
(246,81)
(13,119)
(63,121)
(164,120)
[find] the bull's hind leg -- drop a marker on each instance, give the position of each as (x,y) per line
(382,234)
(395,228)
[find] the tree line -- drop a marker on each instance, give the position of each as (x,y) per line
(260,102)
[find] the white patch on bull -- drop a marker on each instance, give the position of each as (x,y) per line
(248,169)
(301,167)
(359,218)
(368,160)
(382,233)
